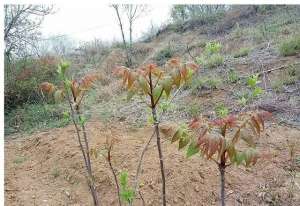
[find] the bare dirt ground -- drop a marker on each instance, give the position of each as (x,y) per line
(46,169)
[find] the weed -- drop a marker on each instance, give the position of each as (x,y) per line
(193,109)
(242,52)
(163,55)
(55,172)
(19,159)
(126,193)
(221,110)
(233,76)
(290,46)
(213,48)
(277,85)
(209,82)
(211,57)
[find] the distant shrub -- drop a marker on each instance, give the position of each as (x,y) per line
(290,46)
(209,82)
(211,61)
(35,116)
(163,55)
(242,52)
(211,56)
(23,79)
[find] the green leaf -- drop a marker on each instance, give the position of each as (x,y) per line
(239,157)
(143,84)
(123,179)
(177,135)
(183,142)
(257,91)
(156,92)
(192,149)
(167,85)
(82,120)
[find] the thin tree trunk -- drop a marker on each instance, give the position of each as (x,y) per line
(115,177)
(161,162)
(128,63)
(156,127)
(222,176)
(85,154)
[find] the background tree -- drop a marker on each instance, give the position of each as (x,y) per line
(133,12)
(21,26)
(181,13)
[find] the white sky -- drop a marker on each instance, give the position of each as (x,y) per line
(86,22)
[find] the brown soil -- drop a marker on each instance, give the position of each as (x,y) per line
(46,168)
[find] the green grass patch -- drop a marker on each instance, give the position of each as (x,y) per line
(19,160)
(242,52)
(290,46)
(32,117)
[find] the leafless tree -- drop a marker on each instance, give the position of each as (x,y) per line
(21,26)
(133,12)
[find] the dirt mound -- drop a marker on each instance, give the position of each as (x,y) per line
(46,169)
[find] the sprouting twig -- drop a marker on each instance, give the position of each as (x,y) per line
(114,174)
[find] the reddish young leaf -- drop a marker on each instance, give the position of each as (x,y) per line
(47,87)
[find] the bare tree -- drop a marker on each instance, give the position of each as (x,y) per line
(21,26)
(133,12)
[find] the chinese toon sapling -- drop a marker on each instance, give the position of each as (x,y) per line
(74,91)
(153,83)
(226,141)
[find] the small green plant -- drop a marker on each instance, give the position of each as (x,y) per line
(213,48)
(163,55)
(220,140)
(19,159)
(208,82)
(211,61)
(233,76)
(55,172)
(127,193)
(253,92)
(290,46)
(242,52)
(211,56)
(221,110)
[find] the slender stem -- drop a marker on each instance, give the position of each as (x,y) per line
(77,131)
(143,201)
(138,171)
(222,167)
(114,174)
(156,126)
(84,154)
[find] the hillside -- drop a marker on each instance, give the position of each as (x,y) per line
(43,165)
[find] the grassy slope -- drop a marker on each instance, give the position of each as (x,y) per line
(259,35)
